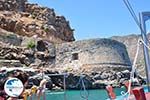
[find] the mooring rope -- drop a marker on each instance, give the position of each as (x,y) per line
(132,71)
(134,67)
(83,89)
(86,93)
(132,12)
(145,44)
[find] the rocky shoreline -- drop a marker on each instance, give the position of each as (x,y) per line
(55,79)
(42,59)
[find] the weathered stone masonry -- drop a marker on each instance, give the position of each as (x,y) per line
(96,52)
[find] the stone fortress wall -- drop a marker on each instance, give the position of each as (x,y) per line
(94,52)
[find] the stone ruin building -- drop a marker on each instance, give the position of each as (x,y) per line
(92,53)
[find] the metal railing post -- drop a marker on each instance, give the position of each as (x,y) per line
(143,16)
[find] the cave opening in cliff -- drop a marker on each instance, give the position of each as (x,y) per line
(75,56)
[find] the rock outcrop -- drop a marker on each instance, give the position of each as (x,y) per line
(10,38)
(31,20)
(28,56)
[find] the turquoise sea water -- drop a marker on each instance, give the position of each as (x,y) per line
(78,95)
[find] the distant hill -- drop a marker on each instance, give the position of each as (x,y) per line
(131,44)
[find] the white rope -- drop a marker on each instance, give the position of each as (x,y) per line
(145,44)
(135,59)
(132,12)
(134,67)
(132,71)
(85,96)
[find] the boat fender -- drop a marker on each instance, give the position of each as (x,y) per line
(32,93)
(33,89)
(1,98)
(110,92)
(139,93)
(25,94)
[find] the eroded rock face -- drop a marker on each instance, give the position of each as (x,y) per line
(13,5)
(32,57)
(7,24)
(10,38)
(28,19)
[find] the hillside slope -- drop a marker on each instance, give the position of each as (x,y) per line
(31,20)
(131,44)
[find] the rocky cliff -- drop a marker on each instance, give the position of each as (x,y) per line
(31,20)
(34,36)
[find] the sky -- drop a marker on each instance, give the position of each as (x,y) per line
(98,18)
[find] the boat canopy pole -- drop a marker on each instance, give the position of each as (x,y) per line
(144,16)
